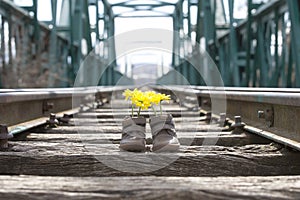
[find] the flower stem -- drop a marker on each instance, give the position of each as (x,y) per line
(132,110)
(139,111)
(160,108)
(153,110)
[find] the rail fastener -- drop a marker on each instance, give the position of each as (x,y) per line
(222,121)
(238,125)
(207,118)
(65,119)
(52,122)
(4,136)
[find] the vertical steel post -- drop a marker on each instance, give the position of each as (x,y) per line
(36,22)
(283,73)
(295,31)
(76,33)
(53,44)
(2,50)
(262,56)
(248,44)
(189,19)
(86,26)
(73,49)
(233,48)
(112,51)
(97,22)
(176,39)
(199,26)
(276,73)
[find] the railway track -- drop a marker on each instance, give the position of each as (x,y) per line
(78,157)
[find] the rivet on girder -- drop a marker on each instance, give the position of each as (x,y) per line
(52,122)
(268,115)
(261,114)
(4,136)
(238,125)
(47,106)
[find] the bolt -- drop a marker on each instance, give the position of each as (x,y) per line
(81,108)
(238,125)
(222,120)
(65,119)
(52,121)
(195,108)
(261,114)
(268,115)
(237,119)
(206,103)
(99,104)
(4,136)
(207,118)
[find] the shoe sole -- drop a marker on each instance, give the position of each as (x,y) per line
(166,148)
(132,148)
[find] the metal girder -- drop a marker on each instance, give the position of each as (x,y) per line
(258,51)
(53,38)
(248,45)
(233,47)
(294,8)
(144,16)
(33,10)
(159,3)
(189,18)
(158,14)
(177,25)
(109,76)
(262,56)
(142,7)
(199,26)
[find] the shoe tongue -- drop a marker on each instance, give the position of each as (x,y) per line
(139,121)
(161,118)
(130,121)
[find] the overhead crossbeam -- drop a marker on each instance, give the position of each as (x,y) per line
(137,6)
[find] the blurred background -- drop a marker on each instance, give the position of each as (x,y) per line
(253,43)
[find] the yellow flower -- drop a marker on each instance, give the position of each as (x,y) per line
(157,98)
(144,100)
(164,97)
(141,99)
(154,97)
(128,94)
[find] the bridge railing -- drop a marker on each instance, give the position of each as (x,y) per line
(262,49)
(25,56)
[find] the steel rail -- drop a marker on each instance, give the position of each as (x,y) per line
(278,96)
(244,89)
(268,112)
(19,106)
(278,106)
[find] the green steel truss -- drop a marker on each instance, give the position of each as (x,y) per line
(261,50)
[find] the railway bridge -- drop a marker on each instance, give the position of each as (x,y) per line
(146,99)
